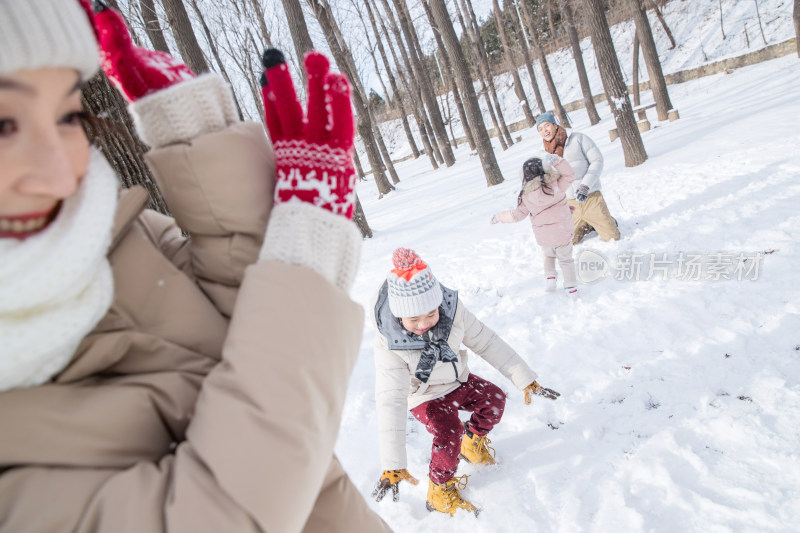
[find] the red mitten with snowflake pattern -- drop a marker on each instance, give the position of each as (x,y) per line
(313,154)
(137,72)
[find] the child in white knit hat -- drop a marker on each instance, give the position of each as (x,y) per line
(140,388)
(421,367)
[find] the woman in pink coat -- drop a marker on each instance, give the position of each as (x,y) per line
(543,199)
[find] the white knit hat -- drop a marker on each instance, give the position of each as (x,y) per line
(413,291)
(46,33)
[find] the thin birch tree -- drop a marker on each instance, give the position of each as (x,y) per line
(182,30)
(548,77)
(482,142)
(511,64)
(577,54)
(434,113)
(397,100)
(658,85)
(614,84)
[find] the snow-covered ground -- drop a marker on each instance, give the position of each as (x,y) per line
(680,407)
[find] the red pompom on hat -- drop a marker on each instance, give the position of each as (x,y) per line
(413,291)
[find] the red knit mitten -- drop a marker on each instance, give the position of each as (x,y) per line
(313,154)
(137,72)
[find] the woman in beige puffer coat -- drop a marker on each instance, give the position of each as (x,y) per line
(151,381)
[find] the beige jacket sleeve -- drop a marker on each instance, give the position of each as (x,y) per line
(392,377)
(268,416)
(223,203)
(259,449)
(486,343)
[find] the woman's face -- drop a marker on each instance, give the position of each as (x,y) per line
(422,323)
(44,151)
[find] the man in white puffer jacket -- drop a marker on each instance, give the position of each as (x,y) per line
(584,195)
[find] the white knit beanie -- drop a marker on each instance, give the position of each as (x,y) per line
(413,291)
(46,33)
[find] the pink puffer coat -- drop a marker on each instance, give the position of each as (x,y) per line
(550,215)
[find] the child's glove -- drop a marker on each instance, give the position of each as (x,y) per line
(494,219)
(313,155)
(391,479)
(538,390)
(582,193)
(137,72)
(549,161)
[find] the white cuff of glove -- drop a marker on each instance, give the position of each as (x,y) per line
(184,111)
(549,161)
(302,234)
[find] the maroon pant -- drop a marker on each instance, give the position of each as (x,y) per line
(483,399)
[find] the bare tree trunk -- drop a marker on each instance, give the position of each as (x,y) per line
(796,20)
(484,146)
(191,53)
(215,52)
(378,136)
(481,78)
(116,137)
(297,27)
(614,83)
(758,14)
(409,84)
(244,68)
(663,22)
(262,25)
(551,22)
(152,26)
(512,67)
(448,76)
(636,101)
(721,24)
(134,36)
(250,67)
(487,78)
(301,32)
(425,84)
(361,220)
(398,100)
(364,122)
(413,86)
(359,168)
(658,84)
(548,78)
(572,31)
(526,55)
(347,55)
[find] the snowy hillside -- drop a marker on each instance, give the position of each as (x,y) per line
(695,24)
(680,407)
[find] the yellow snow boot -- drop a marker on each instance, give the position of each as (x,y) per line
(445,498)
(475,449)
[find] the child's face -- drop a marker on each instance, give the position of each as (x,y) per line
(547,130)
(44,152)
(422,323)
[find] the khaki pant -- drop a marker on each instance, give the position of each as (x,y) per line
(593,213)
(564,255)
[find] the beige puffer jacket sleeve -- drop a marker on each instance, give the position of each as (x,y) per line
(223,203)
(483,341)
(392,376)
(259,448)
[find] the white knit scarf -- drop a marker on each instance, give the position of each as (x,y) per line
(57,285)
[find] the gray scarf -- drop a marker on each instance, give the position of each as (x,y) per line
(433,342)
(436,347)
